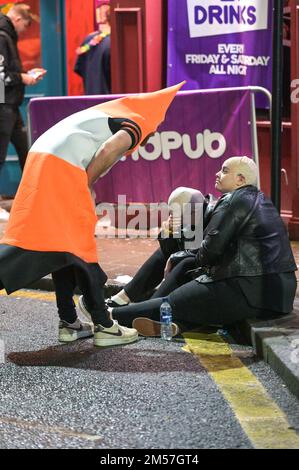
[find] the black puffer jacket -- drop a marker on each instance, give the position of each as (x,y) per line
(245,237)
(10,63)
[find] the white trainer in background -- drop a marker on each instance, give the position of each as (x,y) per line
(4,215)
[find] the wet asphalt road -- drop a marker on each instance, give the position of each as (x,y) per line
(147,395)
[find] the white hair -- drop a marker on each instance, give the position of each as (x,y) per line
(246,167)
(184,195)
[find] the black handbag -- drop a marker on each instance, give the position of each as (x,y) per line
(177,257)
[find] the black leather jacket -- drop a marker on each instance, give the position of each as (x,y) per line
(245,237)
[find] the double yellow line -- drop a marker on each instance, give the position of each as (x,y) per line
(29,294)
(263,421)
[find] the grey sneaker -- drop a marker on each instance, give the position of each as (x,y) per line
(114,335)
(148,327)
(69,332)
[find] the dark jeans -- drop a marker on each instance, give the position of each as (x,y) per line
(147,277)
(90,281)
(151,274)
(12,130)
(214,303)
(177,277)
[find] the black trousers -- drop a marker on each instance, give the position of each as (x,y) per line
(151,274)
(147,278)
(90,281)
(214,303)
(12,130)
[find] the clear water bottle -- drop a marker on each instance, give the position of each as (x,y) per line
(166,320)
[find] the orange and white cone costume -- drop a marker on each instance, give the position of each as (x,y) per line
(52,220)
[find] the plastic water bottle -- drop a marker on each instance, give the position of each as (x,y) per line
(166,320)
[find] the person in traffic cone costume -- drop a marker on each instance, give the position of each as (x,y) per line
(52,221)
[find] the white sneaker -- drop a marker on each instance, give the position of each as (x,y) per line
(86,313)
(4,215)
(83,309)
(72,331)
(114,335)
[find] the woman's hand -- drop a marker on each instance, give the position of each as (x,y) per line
(172,225)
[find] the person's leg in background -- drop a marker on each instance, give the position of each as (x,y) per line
(19,139)
(7,122)
(4,142)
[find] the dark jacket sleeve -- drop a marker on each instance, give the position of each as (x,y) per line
(9,76)
(223,228)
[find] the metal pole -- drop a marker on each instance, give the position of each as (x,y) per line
(254,137)
(277,102)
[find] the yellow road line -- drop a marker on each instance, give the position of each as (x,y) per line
(29,294)
(36,295)
(263,421)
